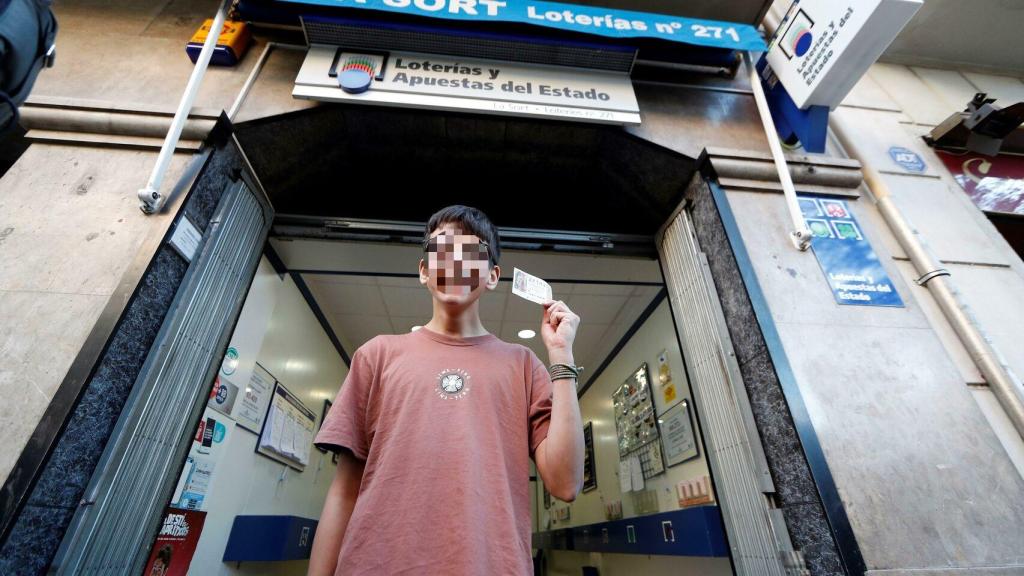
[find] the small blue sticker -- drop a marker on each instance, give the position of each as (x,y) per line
(908,159)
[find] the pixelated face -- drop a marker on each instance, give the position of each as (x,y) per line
(458,262)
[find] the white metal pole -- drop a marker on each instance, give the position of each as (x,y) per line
(150,198)
(800,235)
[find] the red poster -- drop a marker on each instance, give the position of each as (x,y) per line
(176,543)
(994,183)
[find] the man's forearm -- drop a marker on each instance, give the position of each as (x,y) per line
(330,530)
(564,450)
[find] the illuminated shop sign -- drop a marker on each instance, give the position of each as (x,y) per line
(428,81)
(570,17)
(823,47)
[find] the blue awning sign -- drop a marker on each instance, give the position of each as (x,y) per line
(574,18)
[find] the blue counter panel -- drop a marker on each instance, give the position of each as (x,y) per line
(269,538)
(694,532)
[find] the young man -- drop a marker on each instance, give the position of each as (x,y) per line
(436,427)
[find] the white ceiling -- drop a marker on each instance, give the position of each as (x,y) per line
(360,307)
(609,293)
(389,258)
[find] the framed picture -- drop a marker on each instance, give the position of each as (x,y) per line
(323,416)
(589,468)
(677,434)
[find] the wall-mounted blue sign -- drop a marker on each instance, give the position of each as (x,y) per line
(571,17)
(850,264)
(907,159)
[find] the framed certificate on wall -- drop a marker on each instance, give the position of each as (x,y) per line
(677,434)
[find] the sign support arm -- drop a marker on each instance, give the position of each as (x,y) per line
(800,235)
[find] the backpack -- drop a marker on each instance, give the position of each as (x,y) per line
(28,30)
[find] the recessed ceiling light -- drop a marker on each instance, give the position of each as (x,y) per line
(524,334)
(415,328)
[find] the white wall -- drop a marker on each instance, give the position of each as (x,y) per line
(895,105)
(656,334)
(922,459)
(299,354)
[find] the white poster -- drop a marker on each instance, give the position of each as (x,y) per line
(207,450)
(625,475)
(251,405)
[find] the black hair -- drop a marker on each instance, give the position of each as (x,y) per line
(470,220)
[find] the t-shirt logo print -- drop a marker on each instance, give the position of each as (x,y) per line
(452,383)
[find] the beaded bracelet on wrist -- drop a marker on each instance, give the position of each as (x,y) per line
(558,371)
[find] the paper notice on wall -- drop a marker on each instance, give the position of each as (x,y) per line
(637,473)
(625,476)
(287,434)
(287,445)
(197,485)
(276,428)
(208,447)
(252,402)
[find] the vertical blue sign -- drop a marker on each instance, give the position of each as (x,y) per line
(849,262)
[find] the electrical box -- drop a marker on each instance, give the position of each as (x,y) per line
(232,43)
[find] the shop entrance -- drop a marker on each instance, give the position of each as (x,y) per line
(599,213)
(335,295)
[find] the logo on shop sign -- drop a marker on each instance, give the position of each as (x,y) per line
(452,384)
(355,73)
(798,37)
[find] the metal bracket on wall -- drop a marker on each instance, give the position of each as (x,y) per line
(933,274)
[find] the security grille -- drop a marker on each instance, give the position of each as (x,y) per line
(139,468)
(756,548)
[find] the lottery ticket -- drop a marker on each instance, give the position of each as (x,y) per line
(530,287)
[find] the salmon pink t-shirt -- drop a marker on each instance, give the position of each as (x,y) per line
(447,427)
